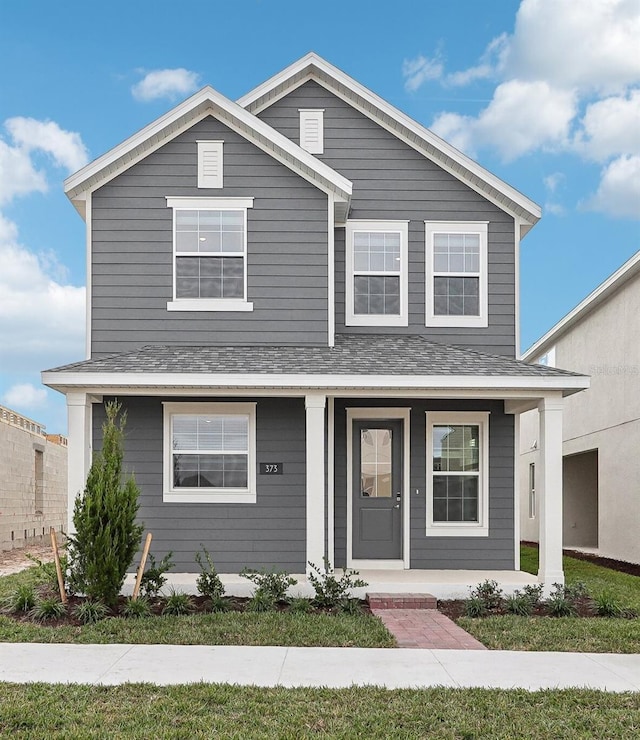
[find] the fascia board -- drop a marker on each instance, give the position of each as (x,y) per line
(621,276)
(389,112)
(209,380)
(248,125)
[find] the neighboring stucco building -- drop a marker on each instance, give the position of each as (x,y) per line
(601,460)
(33,480)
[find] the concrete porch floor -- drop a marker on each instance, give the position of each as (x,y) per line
(443,584)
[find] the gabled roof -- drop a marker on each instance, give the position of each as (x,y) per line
(313,67)
(356,361)
(203,103)
(601,294)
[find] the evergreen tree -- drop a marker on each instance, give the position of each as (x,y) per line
(107,536)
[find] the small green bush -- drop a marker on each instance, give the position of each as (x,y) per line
(576,591)
(475,607)
(607,605)
(208,582)
(153,579)
(331,591)
(490,593)
(518,603)
(559,604)
(351,606)
(48,608)
(218,604)
(89,611)
(299,605)
(178,604)
(261,601)
(23,599)
(533,592)
(136,609)
(273,584)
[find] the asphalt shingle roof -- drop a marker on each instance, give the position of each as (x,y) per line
(353,354)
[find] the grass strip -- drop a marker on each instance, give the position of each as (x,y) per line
(223,711)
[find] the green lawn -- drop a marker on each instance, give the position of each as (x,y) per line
(567,634)
(205,711)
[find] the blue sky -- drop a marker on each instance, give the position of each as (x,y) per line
(544,93)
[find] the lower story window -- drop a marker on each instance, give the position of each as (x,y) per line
(457,474)
(209,452)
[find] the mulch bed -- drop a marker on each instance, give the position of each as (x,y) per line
(454,609)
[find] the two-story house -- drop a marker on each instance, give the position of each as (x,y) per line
(308,304)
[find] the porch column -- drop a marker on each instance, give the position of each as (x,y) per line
(314,404)
(78,449)
(549,491)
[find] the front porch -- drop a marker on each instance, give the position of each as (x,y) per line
(443,584)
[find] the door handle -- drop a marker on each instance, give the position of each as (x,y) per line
(396,506)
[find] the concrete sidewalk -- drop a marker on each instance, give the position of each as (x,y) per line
(331,667)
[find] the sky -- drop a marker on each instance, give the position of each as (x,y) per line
(543,93)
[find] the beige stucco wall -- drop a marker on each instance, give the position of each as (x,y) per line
(19,439)
(605,344)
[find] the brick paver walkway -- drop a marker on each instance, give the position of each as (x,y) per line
(426,628)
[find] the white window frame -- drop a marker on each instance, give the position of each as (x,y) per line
(548,359)
(400,227)
(177,203)
(208,495)
(456,227)
(532,491)
(317,115)
(460,529)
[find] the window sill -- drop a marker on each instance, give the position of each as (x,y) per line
(208,497)
(209,304)
(478,322)
(456,531)
(376,320)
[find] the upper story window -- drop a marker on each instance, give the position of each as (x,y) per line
(548,358)
(312,131)
(376,273)
(210,452)
(210,254)
(456,274)
(210,163)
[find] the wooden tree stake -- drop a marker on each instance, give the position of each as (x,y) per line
(56,557)
(143,562)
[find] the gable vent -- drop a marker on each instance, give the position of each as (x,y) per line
(209,164)
(312,131)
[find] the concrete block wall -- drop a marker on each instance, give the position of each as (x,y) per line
(28,506)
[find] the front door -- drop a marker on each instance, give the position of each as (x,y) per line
(377,489)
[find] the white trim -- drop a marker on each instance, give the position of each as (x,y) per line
(331,272)
(200,105)
(79,449)
(516,232)
(89,267)
(331,514)
(378,565)
(516,491)
(314,404)
(459,529)
(209,304)
(376,225)
(457,227)
(502,384)
(196,495)
(311,66)
(205,148)
(306,115)
(402,413)
(597,296)
(209,202)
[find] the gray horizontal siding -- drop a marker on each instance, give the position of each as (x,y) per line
(473,553)
(393,181)
(269,533)
(132,263)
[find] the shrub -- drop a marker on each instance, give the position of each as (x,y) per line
(489,593)
(48,608)
(330,591)
(218,604)
(107,536)
(273,584)
(575,591)
(607,605)
(261,601)
(153,579)
(90,612)
(299,605)
(178,604)
(23,599)
(559,604)
(518,603)
(475,607)
(351,606)
(533,593)
(136,609)
(208,582)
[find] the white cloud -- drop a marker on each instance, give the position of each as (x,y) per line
(552,181)
(618,194)
(165,83)
(611,127)
(417,71)
(555,208)
(18,176)
(66,147)
(521,117)
(24,395)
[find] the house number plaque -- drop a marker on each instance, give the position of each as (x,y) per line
(271,468)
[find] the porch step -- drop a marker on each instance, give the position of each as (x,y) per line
(402,601)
